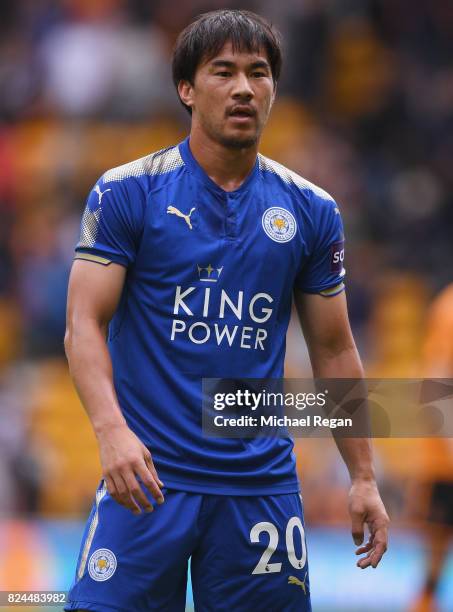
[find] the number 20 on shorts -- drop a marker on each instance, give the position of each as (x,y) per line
(263,566)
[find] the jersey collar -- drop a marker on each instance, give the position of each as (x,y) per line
(195,168)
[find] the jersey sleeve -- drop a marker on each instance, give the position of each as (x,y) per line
(111,223)
(324,272)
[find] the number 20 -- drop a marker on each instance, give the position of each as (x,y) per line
(263,566)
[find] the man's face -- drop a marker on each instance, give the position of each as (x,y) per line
(231,97)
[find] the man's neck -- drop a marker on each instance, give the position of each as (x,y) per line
(228,168)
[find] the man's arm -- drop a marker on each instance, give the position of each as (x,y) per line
(93,296)
(333,354)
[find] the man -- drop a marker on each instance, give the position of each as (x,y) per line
(190,257)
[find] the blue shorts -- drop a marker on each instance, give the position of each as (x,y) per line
(247,554)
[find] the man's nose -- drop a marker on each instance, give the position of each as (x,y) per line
(242,88)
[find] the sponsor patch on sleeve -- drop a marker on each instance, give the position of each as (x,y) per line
(337,256)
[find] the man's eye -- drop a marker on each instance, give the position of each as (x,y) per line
(223,73)
(258,74)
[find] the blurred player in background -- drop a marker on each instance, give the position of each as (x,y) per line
(438,452)
(189,257)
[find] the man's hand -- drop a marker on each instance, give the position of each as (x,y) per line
(124,459)
(365,506)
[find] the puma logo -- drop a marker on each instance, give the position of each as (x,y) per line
(171,210)
(100,193)
(301,583)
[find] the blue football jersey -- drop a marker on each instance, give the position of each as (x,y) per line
(210,277)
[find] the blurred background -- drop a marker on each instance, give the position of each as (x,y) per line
(365,110)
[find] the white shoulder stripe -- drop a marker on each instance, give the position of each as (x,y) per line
(90,227)
(161,162)
(269,165)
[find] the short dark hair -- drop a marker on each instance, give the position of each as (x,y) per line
(202,40)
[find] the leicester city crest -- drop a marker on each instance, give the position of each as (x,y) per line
(279,224)
(102,564)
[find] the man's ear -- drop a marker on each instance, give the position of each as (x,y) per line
(274,95)
(185,91)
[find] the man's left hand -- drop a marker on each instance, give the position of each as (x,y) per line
(366,507)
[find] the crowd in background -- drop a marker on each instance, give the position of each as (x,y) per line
(365,110)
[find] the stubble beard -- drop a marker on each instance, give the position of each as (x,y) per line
(230,142)
(233,142)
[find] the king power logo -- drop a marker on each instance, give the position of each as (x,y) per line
(202,305)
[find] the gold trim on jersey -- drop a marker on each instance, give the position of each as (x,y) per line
(332,290)
(96,258)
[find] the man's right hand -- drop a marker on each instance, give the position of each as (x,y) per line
(124,460)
